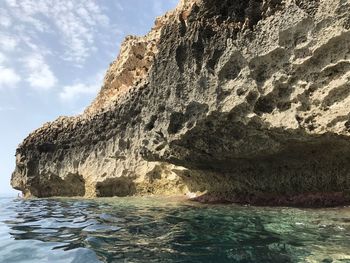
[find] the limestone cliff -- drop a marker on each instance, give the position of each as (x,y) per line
(246,101)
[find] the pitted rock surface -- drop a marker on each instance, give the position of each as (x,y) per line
(234,99)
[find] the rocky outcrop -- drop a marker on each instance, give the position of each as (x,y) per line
(244,101)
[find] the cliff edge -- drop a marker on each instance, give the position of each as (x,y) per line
(242,101)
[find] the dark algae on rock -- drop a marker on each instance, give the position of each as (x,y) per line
(239,101)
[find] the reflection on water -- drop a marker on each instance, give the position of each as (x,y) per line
(156,230)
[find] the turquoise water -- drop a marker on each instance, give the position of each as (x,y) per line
(164,230)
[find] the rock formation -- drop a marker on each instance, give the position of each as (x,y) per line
(244,101)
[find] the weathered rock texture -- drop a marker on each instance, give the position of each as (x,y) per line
(245,101)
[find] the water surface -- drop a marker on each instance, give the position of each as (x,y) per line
(164,230)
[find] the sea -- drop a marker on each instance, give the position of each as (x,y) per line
(159,229)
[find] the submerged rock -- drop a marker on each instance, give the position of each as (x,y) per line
(235,99)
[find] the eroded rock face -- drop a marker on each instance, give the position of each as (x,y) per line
(245,101)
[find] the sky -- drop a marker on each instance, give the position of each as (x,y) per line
(53,56)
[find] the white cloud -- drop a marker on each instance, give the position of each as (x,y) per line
(40,75)
(5,20)
(8,42)
(8,77)
(76,24)
(73,92)
(11,3)
(2,58)
(119,6)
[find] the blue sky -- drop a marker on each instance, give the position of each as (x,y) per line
(53,55)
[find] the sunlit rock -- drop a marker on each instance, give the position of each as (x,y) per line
(243,101)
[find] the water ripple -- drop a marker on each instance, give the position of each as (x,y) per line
(157,230)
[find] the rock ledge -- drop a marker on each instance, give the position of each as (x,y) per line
(242,101)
